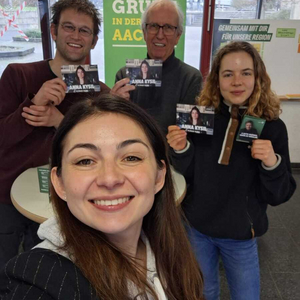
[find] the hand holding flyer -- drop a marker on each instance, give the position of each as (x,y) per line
(176,138)
(122,88)
(263,150)
(52,91)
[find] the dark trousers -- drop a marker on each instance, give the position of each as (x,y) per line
(17,233)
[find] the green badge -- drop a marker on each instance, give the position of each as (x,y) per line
(43,174)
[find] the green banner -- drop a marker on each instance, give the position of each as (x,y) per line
(123,36)
(245,32)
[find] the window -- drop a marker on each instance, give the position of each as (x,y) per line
(280,9)
(236,9)
(20,40)
(193,32)
(97,55)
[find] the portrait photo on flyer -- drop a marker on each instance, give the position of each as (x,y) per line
(195,118)
(144,72)
(250,129)
(81,78)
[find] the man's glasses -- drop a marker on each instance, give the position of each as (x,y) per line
(167,29)
(84,31)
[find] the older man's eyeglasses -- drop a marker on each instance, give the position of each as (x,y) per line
(167,29)
(84,31)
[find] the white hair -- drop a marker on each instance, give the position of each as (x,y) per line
(156,3)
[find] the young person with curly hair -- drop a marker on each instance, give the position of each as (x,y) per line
(231,182)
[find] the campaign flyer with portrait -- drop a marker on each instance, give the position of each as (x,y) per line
(250,129)
(81,78)
(144,72)
(195,118)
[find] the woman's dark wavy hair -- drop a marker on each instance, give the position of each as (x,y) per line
(84,72)
(190,116)
(106,267)
(144,62)
(263,103)
(81,6)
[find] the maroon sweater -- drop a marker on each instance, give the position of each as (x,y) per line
(23,146)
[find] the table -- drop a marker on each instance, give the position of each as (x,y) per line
(27,198)
(179,186)
(30,202)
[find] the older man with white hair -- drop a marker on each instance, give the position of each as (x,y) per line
(162,24)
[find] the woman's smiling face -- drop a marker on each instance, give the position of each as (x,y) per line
(80,73)
(236,77)
(144,68)
(195,114)
(109,174)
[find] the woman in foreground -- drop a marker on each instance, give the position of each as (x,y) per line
(117,233)
(233,182)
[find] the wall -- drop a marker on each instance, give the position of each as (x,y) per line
(290,116)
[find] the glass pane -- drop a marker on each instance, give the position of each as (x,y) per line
(280,9)
(20,40)
(235,9)
(53,45)
(193,32)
